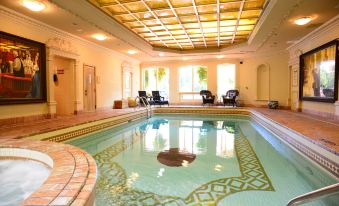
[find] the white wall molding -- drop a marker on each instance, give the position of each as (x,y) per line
(62,45)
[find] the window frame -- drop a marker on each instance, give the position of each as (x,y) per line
(156,81)
(181,94)
(235,77)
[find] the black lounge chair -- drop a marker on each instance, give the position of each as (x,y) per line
(207,97)
(230,97)
(143,97)
(157,99)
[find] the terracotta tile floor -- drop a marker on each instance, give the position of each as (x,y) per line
(321,130)
(45,125)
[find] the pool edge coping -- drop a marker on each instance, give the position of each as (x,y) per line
(73,172)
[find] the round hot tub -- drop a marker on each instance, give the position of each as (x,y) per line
(45,173)
(20,178)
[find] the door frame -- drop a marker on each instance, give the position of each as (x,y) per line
(95,87)
(126,67)
(73,72)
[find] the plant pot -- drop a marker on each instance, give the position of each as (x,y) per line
(272,104)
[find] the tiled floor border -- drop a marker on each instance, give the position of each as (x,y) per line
(88,128)
(73,174)
(326,159)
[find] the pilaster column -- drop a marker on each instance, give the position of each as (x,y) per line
(336,104)
(51,103)
(77,89)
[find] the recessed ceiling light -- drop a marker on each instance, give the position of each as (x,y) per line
(161,54)
(132,51)
(220,56)
(33,5)
(303,20)
(184,58)
(99,37)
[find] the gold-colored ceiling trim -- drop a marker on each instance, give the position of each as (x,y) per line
(186,24)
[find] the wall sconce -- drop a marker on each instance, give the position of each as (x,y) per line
(55,77)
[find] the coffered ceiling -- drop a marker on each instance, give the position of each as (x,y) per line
(186,24)
(273,31)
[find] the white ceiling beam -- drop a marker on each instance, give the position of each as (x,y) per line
(218,21)
(178,19)
(238,19)
(156,17)
(123,6)
(198,18)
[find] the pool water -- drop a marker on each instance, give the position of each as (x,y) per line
(194,160)
(19,179)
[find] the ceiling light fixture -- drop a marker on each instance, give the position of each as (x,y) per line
(99,37)
(184,58)
(220,56)
(131,51)
(303,20)
(161,54)
(33,5)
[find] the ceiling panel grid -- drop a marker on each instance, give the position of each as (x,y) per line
(186,24)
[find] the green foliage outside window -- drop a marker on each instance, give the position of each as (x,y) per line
(146,78)
(202,72)
(161,73)
(327,79)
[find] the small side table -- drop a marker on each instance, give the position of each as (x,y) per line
(120,104)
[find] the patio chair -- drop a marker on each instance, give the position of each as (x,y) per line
(159,100)
(207,97)
(143,97)
(230,97)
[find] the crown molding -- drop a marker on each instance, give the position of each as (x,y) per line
(23,19)
(319,32)
(267,10)
(277,25)
(106,22)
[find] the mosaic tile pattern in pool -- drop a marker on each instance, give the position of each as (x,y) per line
(117,189)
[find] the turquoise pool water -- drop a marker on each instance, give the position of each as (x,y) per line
(195,160)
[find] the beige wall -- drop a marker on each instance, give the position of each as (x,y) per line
(326,33)
(278,78)
(107,63)
(246,76)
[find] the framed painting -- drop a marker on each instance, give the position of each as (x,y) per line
(319,73)
(22,70)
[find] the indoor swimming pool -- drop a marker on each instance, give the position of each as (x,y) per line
(199,160)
